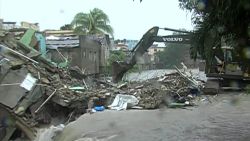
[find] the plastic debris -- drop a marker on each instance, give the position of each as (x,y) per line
(28,82)
(99,108)
(122,102)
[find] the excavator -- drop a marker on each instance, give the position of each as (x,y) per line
(151,36)
(226,70)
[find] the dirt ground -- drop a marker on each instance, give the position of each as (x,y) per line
(224,118)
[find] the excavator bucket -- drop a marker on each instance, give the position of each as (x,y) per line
(119,69)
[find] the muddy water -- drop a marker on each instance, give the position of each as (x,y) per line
(225,119)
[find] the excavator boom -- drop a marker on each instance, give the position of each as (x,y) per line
(151,36)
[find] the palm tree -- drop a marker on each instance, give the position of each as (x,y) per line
(94,22)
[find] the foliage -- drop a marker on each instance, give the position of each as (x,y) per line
(216,19)
(247,88)
(66,27)
(134,69)
(114,56)
(172,55)
(94,22)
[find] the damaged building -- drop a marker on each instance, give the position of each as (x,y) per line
(34,89)
(89,53)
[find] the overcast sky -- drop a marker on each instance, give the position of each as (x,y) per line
(129,19)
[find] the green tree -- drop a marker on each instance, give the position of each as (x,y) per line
(173,55)
(66,27)
(217,19)
(114,56)
(94,22)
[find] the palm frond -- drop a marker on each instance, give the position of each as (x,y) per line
(94,22)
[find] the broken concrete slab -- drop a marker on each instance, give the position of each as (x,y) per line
(11,94)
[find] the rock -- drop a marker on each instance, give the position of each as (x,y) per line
(45,80)
(76,72)
(139,87)
(107,94)
(122,85)
(19,111)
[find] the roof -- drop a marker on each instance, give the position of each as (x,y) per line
(9,22)
(59,32)
(62,43)
(158,45)
(103,39)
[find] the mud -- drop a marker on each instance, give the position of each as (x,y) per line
(225,117)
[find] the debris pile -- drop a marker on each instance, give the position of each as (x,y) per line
(176,89)
(171,88)
(33,88)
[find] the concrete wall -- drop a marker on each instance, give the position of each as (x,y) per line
(28,25)
(153,50)
(90,55)
(73,54)
(105,50)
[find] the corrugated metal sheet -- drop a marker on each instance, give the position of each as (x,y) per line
(66,43)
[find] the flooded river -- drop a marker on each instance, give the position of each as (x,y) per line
(227,118)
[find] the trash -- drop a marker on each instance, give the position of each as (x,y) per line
(51,95)
(93,111)
(122,85)
(50,133)
(99,108)
(122,102)
(28,82)
(187,103)
(19,111)
(139,87)
(76,88)
(189,76)
(176,105)
(107,94)
(162,78)
(190,96)
(136,107)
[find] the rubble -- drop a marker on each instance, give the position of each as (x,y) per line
(32,88)
(179,87)
(31,85)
